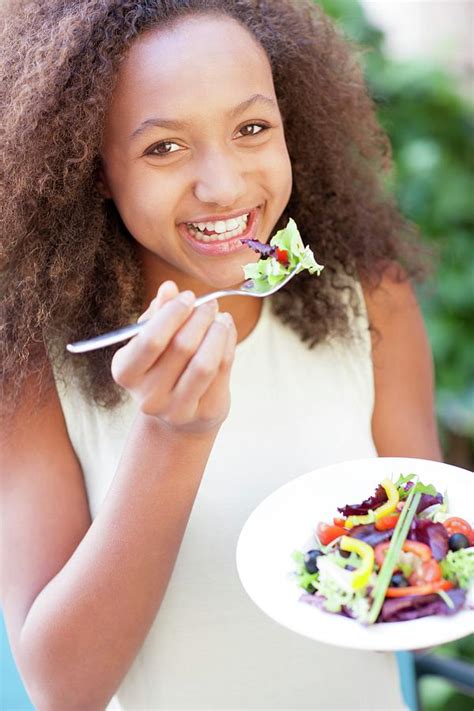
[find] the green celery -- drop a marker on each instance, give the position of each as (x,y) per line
(398,538)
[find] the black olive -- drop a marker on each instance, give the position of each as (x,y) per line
(398,581)
(311,560)
(344,554)
(458,541)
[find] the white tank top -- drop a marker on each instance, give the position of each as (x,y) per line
(292,410)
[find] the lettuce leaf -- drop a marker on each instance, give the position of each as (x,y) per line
(268,270)
(458,566)
(415,606)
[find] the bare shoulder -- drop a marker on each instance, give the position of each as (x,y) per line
(403,422)
(43,505)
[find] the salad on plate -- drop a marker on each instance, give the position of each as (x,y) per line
(398,555)
(279,257)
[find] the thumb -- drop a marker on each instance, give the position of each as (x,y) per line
(168,290)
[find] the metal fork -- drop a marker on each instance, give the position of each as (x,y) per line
(247,288)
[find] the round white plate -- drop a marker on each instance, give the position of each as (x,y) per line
(285,521)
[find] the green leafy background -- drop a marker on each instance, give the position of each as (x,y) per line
(430,122)
(431,127)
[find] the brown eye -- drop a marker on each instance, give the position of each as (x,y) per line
(249,129)
(161,149)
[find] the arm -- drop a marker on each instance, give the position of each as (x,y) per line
(79,598)
(403,422)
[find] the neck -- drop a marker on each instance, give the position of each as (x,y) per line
(244,310)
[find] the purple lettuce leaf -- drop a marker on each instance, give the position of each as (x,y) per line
(264,250)
(428,500)
(316,600)
(369,534)
(433,534)
(379,498)
(415,606)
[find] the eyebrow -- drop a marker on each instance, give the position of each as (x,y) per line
(182,125)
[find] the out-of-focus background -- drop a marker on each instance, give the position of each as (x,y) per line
(419,63)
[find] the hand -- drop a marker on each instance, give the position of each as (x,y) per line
(178,367)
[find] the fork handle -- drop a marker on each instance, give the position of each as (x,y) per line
(122,334)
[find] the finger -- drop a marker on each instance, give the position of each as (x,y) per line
(185,343)
(212,400)
(202,368)
(168,290)
(161,379)
(134,359)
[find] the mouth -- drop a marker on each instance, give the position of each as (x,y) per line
(223,236)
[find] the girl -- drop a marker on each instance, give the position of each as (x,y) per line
(134,132)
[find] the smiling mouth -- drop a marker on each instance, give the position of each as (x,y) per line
(221,230)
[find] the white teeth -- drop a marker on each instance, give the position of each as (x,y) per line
(222,226)
(215,238)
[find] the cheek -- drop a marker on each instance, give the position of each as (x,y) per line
(145,204)
(280,173)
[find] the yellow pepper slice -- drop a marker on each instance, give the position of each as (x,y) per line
(360,577)
(385,510)
(393,499)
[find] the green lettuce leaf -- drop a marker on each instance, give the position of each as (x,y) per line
(271,271)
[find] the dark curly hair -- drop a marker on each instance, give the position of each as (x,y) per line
(70,268)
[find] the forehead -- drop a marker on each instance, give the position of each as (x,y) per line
(200,59)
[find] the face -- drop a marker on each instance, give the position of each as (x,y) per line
(194,153)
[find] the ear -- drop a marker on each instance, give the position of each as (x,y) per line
(103,184)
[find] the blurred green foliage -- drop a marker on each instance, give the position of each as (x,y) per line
(431,127)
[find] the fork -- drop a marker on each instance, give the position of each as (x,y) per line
(247,288)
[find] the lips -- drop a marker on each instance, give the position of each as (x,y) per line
(224,247)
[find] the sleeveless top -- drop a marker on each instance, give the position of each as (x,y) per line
(293,409)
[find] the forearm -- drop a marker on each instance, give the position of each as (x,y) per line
(85,627)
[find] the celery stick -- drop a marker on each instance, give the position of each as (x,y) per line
(398,539)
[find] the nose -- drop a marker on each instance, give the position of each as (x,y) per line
(220,180)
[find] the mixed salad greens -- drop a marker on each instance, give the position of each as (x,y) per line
(284,252)
(398,555)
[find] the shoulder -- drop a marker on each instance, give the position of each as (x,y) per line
(404,419)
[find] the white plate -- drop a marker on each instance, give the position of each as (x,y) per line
(285,521)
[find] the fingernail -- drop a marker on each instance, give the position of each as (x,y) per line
(224,318)
(143,316)
(165,286)
(213,305)
(187,298)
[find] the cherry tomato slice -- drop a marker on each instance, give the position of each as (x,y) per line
(387,522)
(420,549)
(339,522)
(327,533)
(420,589)
(428,572)
(459,525)
(282,256)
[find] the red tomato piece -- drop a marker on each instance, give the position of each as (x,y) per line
(327,533)
(387,522)
(459,525)
(420,589)
(428,572)
(282,256)
(339,522)
(420,549)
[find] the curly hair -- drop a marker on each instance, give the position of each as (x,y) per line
(70,268)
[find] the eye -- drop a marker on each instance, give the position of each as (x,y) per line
(162,148)
(248,129)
